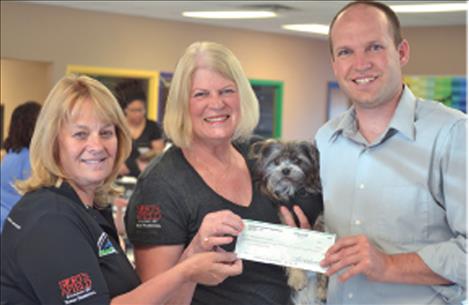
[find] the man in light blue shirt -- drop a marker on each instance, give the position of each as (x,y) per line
(393,170)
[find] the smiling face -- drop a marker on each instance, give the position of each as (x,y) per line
(214,107)
(87,148)
(366,62)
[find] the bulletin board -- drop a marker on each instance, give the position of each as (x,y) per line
(270,96)
(449,90)
(337,102)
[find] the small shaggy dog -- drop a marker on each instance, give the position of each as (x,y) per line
(288,173)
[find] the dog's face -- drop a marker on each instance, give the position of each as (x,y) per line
(283,168)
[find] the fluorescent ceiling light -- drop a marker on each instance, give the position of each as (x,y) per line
(430,8)
(230,14)
(310,28)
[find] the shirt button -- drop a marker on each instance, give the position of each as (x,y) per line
(350,295)
(358,222)
(361,186)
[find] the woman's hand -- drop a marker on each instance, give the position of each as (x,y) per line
(211,268)
(287,217)
(217,228)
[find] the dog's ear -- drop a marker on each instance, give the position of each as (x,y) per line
(270,146)
(314,180)
(264,149)
(255,149)
(308,149)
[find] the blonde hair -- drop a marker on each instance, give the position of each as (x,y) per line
(218,58)
(69,93)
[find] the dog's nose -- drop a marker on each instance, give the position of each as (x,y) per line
(286,171)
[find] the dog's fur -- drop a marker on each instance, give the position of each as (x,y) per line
(282,169)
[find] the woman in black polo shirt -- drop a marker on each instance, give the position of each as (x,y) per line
(59,243)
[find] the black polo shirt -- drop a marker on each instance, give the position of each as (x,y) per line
(54,250)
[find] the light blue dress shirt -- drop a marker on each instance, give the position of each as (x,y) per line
(15,166)
(406,192)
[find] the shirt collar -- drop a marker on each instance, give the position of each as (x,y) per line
(102,216)
(404,116)
(347,124)
(66,190)
(402,120)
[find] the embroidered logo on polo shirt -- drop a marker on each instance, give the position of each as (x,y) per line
(105,246)
(148,216)
(76,288)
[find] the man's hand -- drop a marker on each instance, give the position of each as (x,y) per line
(360,256)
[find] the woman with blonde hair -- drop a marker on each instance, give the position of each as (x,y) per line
(201,187)
(59,244)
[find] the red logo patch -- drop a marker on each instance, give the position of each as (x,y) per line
(75,284)
(148,212)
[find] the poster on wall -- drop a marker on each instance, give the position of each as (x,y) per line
(337,102)
(449,90)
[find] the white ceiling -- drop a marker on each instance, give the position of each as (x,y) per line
(289,12)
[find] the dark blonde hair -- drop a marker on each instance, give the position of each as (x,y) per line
(218,58)
(69,93)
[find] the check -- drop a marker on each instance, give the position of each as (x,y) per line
(283,245)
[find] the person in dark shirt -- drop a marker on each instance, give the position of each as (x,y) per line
(59,243)
(146,134)
(203,183)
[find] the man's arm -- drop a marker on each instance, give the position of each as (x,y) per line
(360,256)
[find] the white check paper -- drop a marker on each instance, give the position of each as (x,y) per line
(283,245)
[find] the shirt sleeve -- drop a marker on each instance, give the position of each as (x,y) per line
(60,264)
(448,182)
(156,214)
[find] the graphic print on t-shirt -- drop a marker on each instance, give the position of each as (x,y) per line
(148,216)
(76,288)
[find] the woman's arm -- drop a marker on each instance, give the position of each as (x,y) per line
(155,260)
(209,268)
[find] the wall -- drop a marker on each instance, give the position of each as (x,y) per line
(22,81)
(65,36)
(436,50)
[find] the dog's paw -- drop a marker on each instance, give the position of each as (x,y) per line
(297,278)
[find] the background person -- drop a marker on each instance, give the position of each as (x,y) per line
(202,185)
(59,245)
(15,164)
(146,134)
(393,174)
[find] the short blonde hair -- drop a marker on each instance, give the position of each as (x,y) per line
(218,58)
(70,92)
